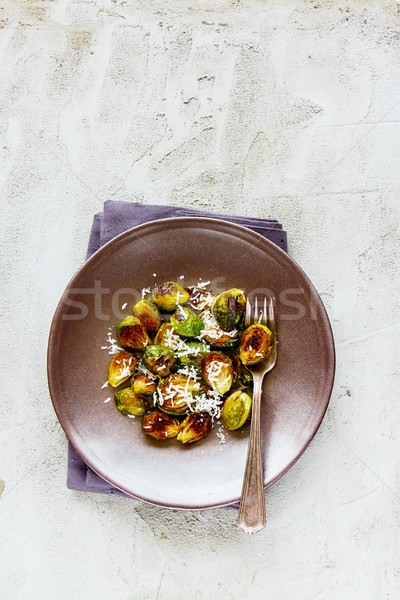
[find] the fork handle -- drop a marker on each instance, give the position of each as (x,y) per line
(252,503)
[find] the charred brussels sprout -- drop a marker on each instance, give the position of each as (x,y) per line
(216,336)
(130,403)
(217,371)
(160,425)
(132,334)
(148,313)
(236,410)
(169,295)
(186,322)
(176,393)
(255,343)
(144,385)
(228,309)
(121,368)
(160,360)
(195,427)
(166,336)
(199,299)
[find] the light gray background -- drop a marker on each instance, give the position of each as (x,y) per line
(288,109)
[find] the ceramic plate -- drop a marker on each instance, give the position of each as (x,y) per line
(189,250)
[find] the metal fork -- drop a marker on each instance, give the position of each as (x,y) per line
(252,503)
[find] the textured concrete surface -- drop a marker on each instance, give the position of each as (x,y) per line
(283,109)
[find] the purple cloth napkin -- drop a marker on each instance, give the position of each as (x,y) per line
(116,218)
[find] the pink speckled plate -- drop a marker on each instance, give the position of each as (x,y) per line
(296,393)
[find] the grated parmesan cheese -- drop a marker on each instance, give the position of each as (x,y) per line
(125,371)
(145,291)
(112,347)
(212,329)
(190,372)
(203,284)
(221,436)
(158,397)
(172,340)
(180,310)
(210,402)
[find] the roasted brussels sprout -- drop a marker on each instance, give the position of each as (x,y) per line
(228,309)
(191,353)
(236,367)
(121,368)
(208,400)
(144,385)
(199,299)
(236,410)
(186,322)
(148,313)
(176,394)
(213,334)
(169,295)
(217,371)
(160,425)
(130,403)
(255,343)
(160,360)
(194,428)
(166,336)
(133,334)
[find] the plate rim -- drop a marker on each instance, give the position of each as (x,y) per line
(104,249)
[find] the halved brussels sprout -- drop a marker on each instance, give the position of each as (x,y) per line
(199,299)
(160,360)
(255,343)
(148,313)
(236,410)
(209,401)
(186,322)
(228,309)
(121,368)
(195,427)
(217,371)
(176,393)
(130,403)
(213,334)
(144,385)
(191,353)
(236,367)
(169,295)
(166,336)
(133,334)
(160,425)
(189,358)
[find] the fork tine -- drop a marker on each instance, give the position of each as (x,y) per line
(247,316)
(271,316)
(263,314)
(255,313)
